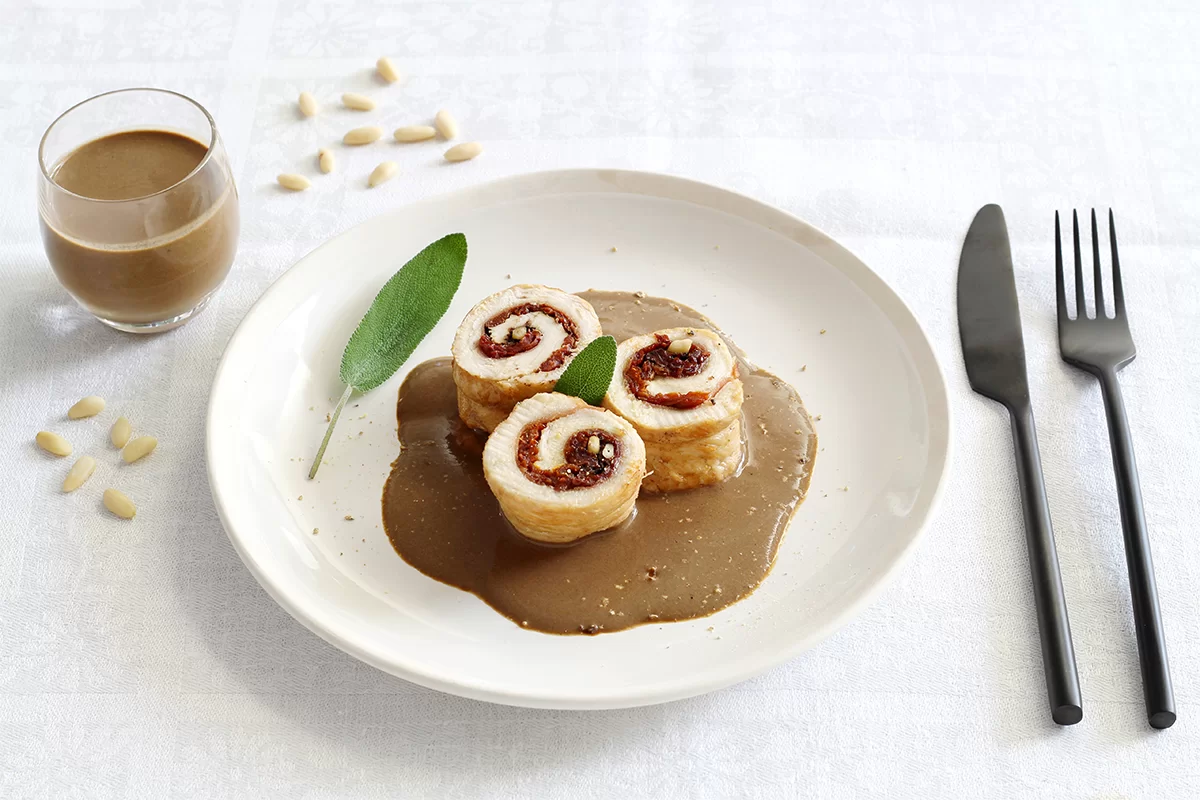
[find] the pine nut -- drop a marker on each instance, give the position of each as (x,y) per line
(120,433)
(325,160)
(364,135)
(383,173)
(308,104)
(119,504)
(387,70)
(89,406)
(609,451)
(414,133)
(680,346)
(593,444)
(464,152)
(518,333)
(358,102)
(446,124)
(140,447)
(297,183)
(79,473)
(53,443)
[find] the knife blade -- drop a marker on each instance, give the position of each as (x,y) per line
(989,318)
(989,324)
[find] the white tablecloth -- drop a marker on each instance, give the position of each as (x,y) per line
(142,660)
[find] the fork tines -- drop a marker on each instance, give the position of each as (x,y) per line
(1080,303)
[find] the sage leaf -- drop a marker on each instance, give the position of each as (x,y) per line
(589,373)
(406,309)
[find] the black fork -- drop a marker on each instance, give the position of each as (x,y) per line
(1102,346)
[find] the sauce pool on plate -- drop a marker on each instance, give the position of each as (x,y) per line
(681,555)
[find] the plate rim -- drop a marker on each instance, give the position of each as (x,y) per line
(643,695)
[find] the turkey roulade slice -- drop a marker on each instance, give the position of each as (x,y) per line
(562,469)
(516,344)
(680,390)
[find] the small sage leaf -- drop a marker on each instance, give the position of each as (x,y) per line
(589,373)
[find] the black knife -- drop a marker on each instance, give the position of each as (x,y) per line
(989,322)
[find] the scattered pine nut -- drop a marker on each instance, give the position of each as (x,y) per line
(383,173)
(120,433)
(140,447)
(446,124)
(387,70)
(53,443)
(679,347)
(308,104)
(296,183)
(325,160)
(89,406)
(414,133)
(358,102)
(79,473)
(364,135)
(119,504)
(464,152)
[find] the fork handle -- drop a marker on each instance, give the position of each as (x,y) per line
(1147,618)
(1058,653)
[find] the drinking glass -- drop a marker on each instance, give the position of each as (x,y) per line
(139,264)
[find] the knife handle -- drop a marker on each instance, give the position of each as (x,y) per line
(1058,654)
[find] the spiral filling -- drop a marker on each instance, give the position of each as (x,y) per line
(506,346)
(580,469)
(656,361)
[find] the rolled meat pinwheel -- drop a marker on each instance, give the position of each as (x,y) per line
(515,344)
(680,390)
(562,469)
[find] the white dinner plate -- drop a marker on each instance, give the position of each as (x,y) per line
(786,293)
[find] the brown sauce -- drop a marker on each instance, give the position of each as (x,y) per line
(680,556)
(147,259)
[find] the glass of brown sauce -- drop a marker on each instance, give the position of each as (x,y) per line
(139,214)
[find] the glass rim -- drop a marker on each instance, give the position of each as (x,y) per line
(212,144)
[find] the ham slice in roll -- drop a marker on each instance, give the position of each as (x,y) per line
(514,345)
(562,469)
(680,390)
